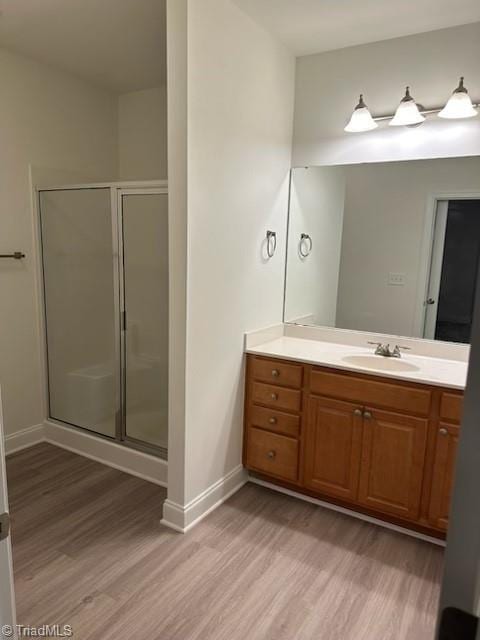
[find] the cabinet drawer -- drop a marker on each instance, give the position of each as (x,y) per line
(275,421)
(451,406)
(272,454)
(276,397)
(280,373)
(381,394)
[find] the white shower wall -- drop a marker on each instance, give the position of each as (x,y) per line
(142,135)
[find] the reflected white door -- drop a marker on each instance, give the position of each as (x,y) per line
(431,301)
(7,603)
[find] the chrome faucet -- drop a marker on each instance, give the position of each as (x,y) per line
(385,351)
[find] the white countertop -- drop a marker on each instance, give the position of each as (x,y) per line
(433,371)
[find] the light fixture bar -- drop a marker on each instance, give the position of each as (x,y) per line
(424,112)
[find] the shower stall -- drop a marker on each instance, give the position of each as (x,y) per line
(104,251)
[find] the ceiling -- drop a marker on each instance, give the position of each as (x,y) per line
(312,26)
(116,44)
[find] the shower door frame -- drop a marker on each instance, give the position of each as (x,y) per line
(117,190)
(122,434)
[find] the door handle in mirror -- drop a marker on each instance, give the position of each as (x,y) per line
(429,301)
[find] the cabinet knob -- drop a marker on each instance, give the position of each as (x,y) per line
(275,373)
(271,454)
(274,396)
(357,412)
(443,431)
(272,420)
(367,415)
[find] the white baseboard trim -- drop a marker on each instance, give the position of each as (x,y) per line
(23,439)
(182,518)
(348,512)
(136,463)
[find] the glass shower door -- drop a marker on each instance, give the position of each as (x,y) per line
(81,314)
(144,220)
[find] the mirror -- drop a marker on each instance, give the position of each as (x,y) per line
(388,247)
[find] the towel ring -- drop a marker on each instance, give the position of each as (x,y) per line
(271,243)
(306,245)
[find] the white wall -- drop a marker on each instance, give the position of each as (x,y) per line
(328,85)
(317,199)
(385,210)
(240,111)
(177,94)
(52,121)
(142,135)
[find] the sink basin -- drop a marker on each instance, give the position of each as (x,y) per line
(381,363)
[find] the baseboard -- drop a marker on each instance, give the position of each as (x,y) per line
(348,512)
(182,518)
(23,439)
(136,463)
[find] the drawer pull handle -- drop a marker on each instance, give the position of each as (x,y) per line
(274,396)
(275,373)
(357,412)
(272,420)
(271,454)
(443,431)
(367,415)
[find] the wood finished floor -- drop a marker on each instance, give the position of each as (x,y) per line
(89,551)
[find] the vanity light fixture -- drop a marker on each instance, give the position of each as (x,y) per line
(361,119)
(407,112)
(459,105)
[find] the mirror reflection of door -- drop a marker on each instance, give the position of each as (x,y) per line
(453,271)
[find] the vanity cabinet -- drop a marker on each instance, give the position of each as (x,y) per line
(393,457)
(380,446)
(446,441)
(333,447)
(443,474)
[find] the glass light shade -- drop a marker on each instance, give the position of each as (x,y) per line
(407,112)
(459,105)
(361,119)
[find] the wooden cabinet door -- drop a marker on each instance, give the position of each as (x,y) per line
(333,447)
(393,456)
(443,474)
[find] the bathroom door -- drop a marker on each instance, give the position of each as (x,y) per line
(144,224)
(459,609)
(7,603)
